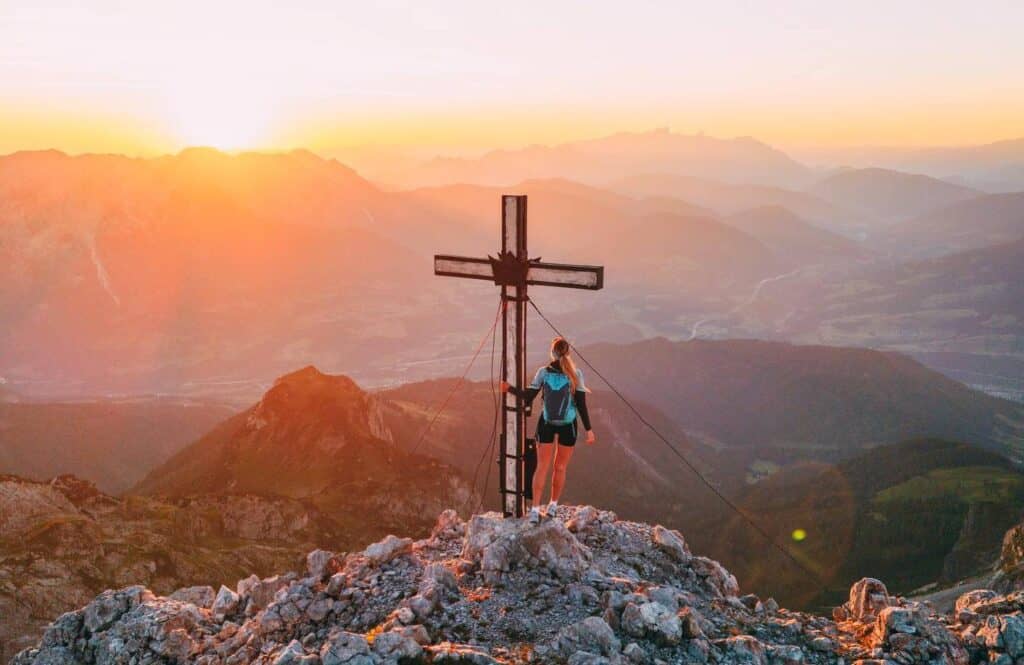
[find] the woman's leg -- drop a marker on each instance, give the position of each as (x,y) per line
(545,453)
(562,457)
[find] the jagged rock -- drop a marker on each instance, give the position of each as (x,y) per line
(743,649)
(592,635)
(293,654)
(225,603)
(586,518)
(717,577)
(459,654)
(522,593)
(394,647)
(344,648)
(449,526)
(689,623)
(967,600)
(1009,576)
(321,564)
(337,584)
(496,545)
(387,549)
(634,653)
(867,598)
(671,542)
(652,620)
(894,620)
(110,606)
(200,596)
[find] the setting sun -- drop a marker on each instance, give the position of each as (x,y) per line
(219,120)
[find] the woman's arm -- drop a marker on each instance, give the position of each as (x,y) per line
(581,407)
(526,394)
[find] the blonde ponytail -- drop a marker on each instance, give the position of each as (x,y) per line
(560,351)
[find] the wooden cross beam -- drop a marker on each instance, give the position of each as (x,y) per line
(513,271)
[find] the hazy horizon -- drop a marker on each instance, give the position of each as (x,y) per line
(157,78)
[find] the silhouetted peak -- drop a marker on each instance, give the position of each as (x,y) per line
(312,379)
(310,396)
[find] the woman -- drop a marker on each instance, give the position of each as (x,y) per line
(564,397)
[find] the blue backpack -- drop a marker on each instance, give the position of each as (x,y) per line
(559,402)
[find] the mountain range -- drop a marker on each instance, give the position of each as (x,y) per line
(816,402)
(727,198)
(208,274)
(600,160)
(992,167)
(887,195)
(964,303)
(977,223)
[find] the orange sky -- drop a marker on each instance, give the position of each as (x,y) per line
(153,77)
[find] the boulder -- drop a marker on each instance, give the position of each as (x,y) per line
(395,647)
(716,576)
(449,526)
(110,606)
(591,635)
(971,598)
(344,648)
(585,518)
(385,550)
(260,593)
(671,543)
(225,603)
(200,596)
(321,564)
(868,597)
(496,545)
(743,649)
(652,620)
(293,654)
(554,546)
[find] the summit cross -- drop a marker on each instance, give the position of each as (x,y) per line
(513,271)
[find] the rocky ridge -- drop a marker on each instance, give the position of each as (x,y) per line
(580,588)
(64,541)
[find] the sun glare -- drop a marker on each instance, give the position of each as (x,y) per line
(221,125)
(220,110)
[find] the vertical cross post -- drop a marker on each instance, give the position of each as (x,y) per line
(513,438)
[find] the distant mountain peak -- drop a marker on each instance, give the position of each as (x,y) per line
(319,400)
(311,433)
(311,377)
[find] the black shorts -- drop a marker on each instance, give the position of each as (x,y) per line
(546,433)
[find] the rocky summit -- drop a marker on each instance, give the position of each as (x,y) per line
(581,587)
